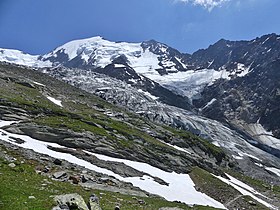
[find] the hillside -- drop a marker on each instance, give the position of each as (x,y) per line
(45,119)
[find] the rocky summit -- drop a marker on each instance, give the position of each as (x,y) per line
(141,126)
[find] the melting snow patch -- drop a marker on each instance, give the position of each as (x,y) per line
(40,84)
(273,170)
(265,137)
(237,157)
(55,101)
(244,189)
(259,164)
(148,94)
(248,155)
(177,148)
(216,144)
(213,100)
(181,187)
(119,66)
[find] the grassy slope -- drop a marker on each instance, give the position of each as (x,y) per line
(18,183)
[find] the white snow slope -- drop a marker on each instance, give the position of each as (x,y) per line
(181,187)
(244,189)
(20,58)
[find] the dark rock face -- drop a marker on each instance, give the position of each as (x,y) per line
(165,53)
(227,54)
(253,98)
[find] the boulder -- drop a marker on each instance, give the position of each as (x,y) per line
(73,201)
(12,165)
(94,202)
(57,162)
(75,179)
(59,174)
(61,207)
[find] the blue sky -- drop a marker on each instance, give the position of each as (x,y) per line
(38,26)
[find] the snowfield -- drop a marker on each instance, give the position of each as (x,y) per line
(20,58)
(181,187)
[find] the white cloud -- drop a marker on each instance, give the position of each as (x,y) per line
(208,4)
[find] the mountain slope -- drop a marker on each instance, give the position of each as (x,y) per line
(82,129)
(249,103)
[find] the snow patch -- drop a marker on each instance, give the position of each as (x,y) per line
(147,94)
(55,101)
(244,189)
(178,183)
(259,164)
(119,66)
(40,84)
(213,100)
(248,155)
(237,157)
(273,170)
(263,136)
(266,40)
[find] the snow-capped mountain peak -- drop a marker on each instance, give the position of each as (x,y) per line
(21,58)
(149,57)
(91,49)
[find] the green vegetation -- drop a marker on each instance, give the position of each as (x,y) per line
(81,113)
(67,122)
(20,182)
(193,140)
(27,98)
(257,184)
(223,192)
(212,186)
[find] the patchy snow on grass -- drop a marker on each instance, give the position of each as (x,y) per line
(176,147)
(42,148)
(55,101)
(244,189)
(181,187)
